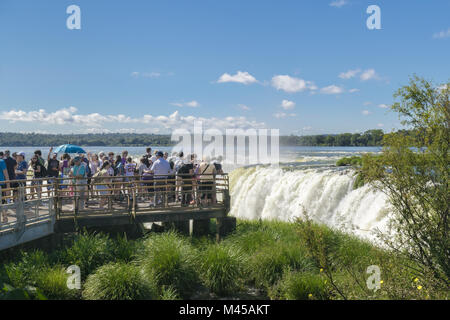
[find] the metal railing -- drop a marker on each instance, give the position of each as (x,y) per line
(69,196)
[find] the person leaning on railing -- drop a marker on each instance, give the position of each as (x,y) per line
(207,172)
(4,184)
(78,174)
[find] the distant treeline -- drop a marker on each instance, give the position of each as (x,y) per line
(368,138)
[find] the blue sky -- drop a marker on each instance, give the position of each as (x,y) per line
(304,67)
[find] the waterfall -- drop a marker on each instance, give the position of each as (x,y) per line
(327,195)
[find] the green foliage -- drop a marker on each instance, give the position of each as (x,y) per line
(414,172)
(349,161)
(124,250)
(221,268)
(25,272)
(119,281)
(300,286)
(170,259)
(368,138)
(168,293)
(13,139)
(89,251)
(52,282)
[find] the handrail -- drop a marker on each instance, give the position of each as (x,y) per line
(125,194)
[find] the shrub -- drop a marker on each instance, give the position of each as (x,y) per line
(89,251)
(125,250)
(170,259)
(118,281)
(266,266)
(221,268)
(52,282)
(299,286)
(25,272)
(349,161)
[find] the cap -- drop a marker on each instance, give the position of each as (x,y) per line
(160,154)
(21,153)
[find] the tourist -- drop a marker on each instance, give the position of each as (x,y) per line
(160,169)
(146,175)
(41,160)
(21,171)
(103,183)
(4,184)
(148,152)
(52,169)
(124,157)
(206,181)
(10,166)
(78,174)
(186,172)
(38,173)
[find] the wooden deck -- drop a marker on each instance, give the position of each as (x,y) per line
(120,203)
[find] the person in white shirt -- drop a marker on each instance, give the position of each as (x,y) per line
(160,169)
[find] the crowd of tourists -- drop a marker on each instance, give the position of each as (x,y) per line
(187,178)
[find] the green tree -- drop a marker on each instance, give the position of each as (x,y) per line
(413,170)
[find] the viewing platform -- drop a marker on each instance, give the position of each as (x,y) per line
(41,207)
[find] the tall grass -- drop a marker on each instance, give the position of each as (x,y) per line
(88,251)
(26,271)
(52,282)
(119,281)
(222,268)
(296,285)
(170,260)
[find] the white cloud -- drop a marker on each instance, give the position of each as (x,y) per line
(367,103)
(95,121)
(442,34)
(286,104)
(244,107)
(239,77)
(384,106)
(369,74)
(332,90)
(366,112)
(338,3)
(281,115)
(353,90)
(443,87)
(292,84)
(349,74)
(380,125)
(137,74)
(192,104)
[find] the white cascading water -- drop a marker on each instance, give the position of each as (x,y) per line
(327,195)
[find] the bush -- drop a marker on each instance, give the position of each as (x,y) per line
(124,250)
(170,259)
(266,266)
(89,251)
(118,281)
(300,286)
(221,268)
(52,283)
(349,161)
(25,272)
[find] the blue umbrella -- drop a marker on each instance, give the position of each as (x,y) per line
(69,148)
